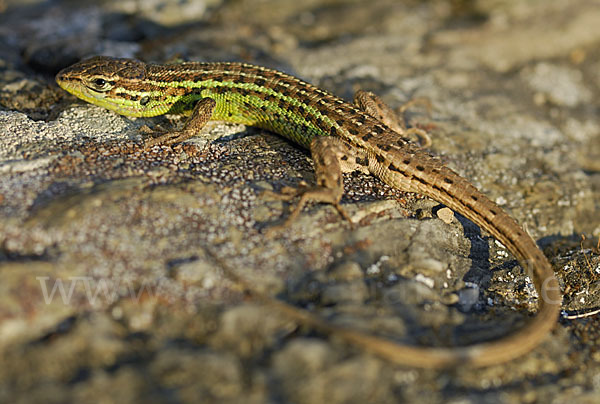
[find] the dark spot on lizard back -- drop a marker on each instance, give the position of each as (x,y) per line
(392,167)
(379,129)
(362,162)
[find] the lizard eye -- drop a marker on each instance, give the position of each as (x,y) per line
(100,84)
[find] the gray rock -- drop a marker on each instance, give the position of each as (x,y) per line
(142,241)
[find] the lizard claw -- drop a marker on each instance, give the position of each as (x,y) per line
(318,194)
(165,139)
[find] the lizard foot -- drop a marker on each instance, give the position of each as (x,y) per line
(314,194)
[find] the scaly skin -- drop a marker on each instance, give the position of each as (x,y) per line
(305,114)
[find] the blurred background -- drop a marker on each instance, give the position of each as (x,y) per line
(514,87)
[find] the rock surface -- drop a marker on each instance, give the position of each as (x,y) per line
(111,256)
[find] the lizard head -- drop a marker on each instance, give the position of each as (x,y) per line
(115,84)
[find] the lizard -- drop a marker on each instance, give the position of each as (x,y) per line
(341,137)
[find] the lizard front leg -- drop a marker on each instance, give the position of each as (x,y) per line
(374,106)
(201,114)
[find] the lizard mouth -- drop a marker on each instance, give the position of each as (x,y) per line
(68,83)
(77,89)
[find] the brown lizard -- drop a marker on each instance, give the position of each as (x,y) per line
(341,138)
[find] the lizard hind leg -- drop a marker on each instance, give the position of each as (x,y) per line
(375,107)
(332,157)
